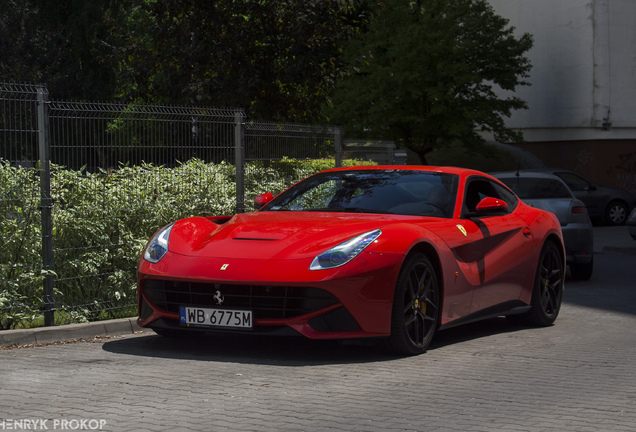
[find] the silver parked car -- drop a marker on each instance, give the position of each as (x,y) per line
(549,192)
(606,204)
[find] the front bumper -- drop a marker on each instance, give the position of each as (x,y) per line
(286,297)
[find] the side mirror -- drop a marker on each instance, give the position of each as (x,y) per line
(263,199)
(491,205)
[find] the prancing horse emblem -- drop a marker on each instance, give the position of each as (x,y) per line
(224,266)
(218,297)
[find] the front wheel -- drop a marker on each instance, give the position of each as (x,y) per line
(548,287)
(416,305)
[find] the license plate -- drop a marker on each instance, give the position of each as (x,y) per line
(213,317)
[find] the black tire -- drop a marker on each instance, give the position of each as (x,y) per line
(416,303)
(582,271)
(616,213)
(548,287)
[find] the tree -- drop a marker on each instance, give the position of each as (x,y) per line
(427,73)
(61,44)
(279,60)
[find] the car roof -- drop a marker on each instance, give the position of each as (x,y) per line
(526,174)
(549,170)
(426,168)
(535,175)
(556,170)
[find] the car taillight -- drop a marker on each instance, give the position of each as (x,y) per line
(579,210)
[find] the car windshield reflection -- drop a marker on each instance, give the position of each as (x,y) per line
(371,191)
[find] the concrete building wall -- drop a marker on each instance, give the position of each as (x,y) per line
(582,96)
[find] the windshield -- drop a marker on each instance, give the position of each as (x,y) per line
(537,188)
(416,193)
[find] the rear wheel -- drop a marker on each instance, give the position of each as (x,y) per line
(415,307)
(616,213)
(548,287)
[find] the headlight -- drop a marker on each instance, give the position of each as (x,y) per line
(158,246)
(343,253)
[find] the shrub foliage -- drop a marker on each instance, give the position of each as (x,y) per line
(101,222)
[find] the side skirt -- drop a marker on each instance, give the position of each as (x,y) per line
(514,307)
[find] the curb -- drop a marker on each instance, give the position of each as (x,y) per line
(69,332)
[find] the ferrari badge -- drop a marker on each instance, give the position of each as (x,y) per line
(462,229)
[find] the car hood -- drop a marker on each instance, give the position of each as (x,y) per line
(272,235)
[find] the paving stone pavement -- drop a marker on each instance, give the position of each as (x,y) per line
(577,375)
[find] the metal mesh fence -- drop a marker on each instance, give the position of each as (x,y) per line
(280,152)
(270,141)
(110,193)
(21,261)
(117,173)
(19,123)
(106,136)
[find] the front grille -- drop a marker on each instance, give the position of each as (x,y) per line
(266,301)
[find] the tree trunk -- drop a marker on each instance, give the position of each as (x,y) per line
(421,153)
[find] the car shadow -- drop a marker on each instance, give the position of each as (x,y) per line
(288,351)
(611,287)
(247,349)
(476,330)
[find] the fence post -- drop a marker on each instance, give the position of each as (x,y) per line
(45,206)
(239,157)
(338,144)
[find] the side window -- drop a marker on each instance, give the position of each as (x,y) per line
(477,190)
(504,194)
(575,182)
(480,188)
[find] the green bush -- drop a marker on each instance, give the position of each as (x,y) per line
(101,222)
(21,273)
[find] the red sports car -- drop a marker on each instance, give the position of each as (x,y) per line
(389,252)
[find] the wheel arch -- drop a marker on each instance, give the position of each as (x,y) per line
(557,240)
(554,238)
(616,200)
(428,250)
(431,253)
(405,339)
